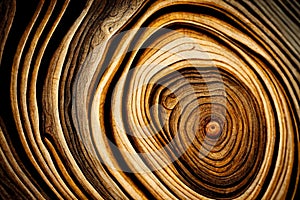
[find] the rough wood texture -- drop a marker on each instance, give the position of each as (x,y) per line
(166,99)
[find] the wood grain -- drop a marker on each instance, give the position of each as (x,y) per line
(166,99)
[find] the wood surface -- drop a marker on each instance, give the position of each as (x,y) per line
(165,99)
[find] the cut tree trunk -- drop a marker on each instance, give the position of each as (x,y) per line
(166,99)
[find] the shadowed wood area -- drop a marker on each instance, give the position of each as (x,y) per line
(165,99)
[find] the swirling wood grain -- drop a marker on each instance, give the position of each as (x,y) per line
(166,99)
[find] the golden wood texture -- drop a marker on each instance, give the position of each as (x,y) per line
(166,99)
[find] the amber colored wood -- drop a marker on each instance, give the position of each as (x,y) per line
(165,99)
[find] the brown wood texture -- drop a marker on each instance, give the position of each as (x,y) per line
(166,99)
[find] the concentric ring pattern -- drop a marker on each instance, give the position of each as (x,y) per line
(167,99)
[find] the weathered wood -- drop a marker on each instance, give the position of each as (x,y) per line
(166,99)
